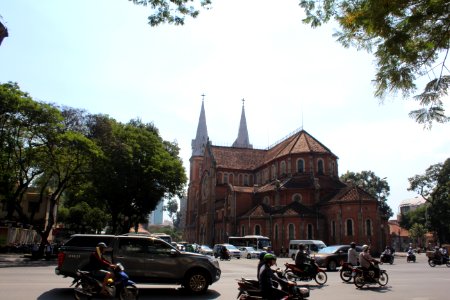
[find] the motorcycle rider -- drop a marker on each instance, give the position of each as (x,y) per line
(99,266)
(266,277)
(302,260)
(352,258)
(261,262)
(438,255)
(387,254)
(368,262)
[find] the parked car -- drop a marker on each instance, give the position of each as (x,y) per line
(204,249)
(234,252)
(249,252)
(332,257)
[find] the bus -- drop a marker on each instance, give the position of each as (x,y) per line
(258,242)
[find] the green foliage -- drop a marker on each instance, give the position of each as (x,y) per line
(434,185)
(410,39)
(82,218)
(378,188)
(171,11)
(417,216)
(417,233)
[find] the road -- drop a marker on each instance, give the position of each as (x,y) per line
(416,281)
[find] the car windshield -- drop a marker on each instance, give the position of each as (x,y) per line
(205,248)
(249,249)
(231,247)
(329,249)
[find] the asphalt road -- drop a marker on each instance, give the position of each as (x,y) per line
(416,281)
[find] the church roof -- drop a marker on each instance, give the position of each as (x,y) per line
(352,193)
(237,158)
(250,159)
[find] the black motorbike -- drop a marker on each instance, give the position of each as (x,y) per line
(346,272)
(410,257)
(120,286)
(387,258)
(437,261)
(249,289)
(225,255)
(363,277)
(294,273)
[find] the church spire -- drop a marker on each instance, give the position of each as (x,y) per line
(199,143)
(242,140)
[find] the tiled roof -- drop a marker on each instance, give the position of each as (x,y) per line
(352,193)
(250,159)
(237,158)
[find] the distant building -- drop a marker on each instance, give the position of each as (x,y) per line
(411,204)
(156,216)
(290,190)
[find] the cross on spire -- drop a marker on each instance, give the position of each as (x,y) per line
(203,97)
(243,100)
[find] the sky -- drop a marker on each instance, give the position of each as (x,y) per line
(103,57)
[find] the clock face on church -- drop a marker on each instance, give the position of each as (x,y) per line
(205,187)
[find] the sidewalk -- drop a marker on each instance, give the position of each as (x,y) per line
(8,260)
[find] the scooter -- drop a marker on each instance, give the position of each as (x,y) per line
(346,272)
(292,272)
(363,277)
(432,261)
(387,258)
(249,289)
(120,286)
(411,257)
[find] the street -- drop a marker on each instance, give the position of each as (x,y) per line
(416,281)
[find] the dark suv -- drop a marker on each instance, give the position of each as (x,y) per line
(146,260)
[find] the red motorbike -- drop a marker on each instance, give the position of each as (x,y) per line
(346,272)
(294,273)
(363,276)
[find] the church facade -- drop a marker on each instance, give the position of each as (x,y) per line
(288,191)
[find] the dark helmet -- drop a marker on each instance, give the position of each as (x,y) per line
(261,255)
(101,245)
(269,256)
(353,245)
(301,246)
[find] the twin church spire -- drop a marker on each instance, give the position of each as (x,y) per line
(199,143)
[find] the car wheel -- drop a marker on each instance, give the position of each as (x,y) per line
(196,282)
(332,265)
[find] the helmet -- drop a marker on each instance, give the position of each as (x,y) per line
(352,244)
(301,246)
(261,255)
(365,247)
(269,256)
(101,245)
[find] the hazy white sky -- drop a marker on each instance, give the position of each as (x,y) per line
(103,57)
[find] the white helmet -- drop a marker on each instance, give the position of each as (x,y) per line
(365,247)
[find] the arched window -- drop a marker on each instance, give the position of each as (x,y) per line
(225,178)
(300,166)
(257,230)
(274,171)
(296,198)
(276,232)
(333,228)
(240,181)
(320,166)
(283,168)
(242,230)
(310,232)
(368,227)
(291,231)
(349,225)
(266,200)
(246,180)
(332,168)
(231,178)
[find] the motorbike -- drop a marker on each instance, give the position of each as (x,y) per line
(346,272)
(432,261)
(120,286)
(294,273)
(411,257)
(225,255)
(249,289)
(363,276)
(387,258)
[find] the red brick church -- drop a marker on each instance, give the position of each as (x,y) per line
(288,191)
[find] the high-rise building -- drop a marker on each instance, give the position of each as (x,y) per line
(156,216)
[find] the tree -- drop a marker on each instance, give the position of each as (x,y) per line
(171,11)
(417,233)
(411,39)
(416,216)
(138,170)
(434,186)
(378,188)
(172,209)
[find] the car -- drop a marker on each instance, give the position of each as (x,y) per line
(234,252)
(204,249)
(332,257)
(249,252)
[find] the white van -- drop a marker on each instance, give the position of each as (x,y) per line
(313,246)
